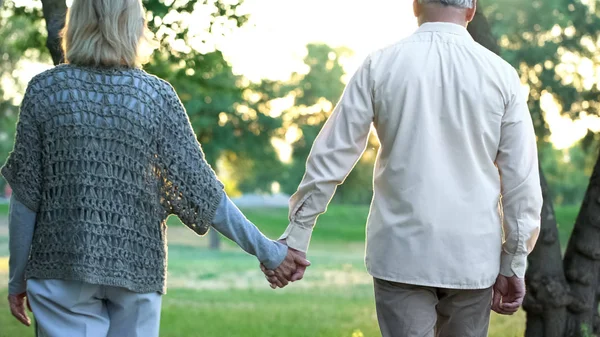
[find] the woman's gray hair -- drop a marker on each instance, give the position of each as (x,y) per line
(455,3)
(105,33)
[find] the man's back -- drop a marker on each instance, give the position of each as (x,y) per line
(439,99)
(451,119)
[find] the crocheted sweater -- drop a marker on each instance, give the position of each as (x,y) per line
(104,156)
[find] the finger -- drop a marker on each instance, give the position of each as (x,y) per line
(503,311)
(20,315)
(512,306)
(266,271)
(300,261)
(298,274)
(277,281)
(284,272)
(496,301)
(17,308)
(28,305)
(281,279)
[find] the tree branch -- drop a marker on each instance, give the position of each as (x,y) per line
(55,12)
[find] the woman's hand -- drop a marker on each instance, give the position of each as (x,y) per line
(17,307)
(291,269)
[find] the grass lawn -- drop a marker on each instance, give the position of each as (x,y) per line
(320,312)
(565,217)
(224,293)
(347,223)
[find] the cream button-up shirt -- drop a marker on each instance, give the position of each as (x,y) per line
(452,119)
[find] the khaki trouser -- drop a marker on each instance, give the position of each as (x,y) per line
(415,311)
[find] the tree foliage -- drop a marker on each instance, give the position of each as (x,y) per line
(555,44)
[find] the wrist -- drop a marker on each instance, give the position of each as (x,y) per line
(513,265)
(276,256)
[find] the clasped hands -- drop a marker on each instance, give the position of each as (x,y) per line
(290,270)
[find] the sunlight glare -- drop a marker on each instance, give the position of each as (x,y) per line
(275,187)
(273,43)
(284,149)
(564,132)
(279,105)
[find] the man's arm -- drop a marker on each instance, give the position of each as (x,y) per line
(335,151)
(517,162)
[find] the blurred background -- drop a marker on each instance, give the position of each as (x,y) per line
(258,79)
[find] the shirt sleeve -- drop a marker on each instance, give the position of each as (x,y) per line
(23,168)
(190,188)
(517,161)
(230,222)
(21,224)
(334,153)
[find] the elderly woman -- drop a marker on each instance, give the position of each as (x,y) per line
(104,153)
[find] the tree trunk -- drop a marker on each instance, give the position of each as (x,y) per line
(582,261)
(481,31)
(597,316)
(547,289)
(55,12)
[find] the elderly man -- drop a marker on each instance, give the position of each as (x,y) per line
(452,121)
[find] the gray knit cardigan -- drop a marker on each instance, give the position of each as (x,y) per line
(104,156)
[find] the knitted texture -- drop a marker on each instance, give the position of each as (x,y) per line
(104,156)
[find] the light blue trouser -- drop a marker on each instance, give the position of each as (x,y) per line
(78,309)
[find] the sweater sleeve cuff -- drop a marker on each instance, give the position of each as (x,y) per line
(297,237)
(17,288)
(280,254)
(513,265)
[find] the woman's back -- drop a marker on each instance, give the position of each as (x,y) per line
(116,156)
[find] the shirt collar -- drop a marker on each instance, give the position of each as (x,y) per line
(444,27)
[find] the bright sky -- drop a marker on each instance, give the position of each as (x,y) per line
(273,45)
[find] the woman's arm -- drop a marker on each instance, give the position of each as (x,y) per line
(21,224)
(230,222)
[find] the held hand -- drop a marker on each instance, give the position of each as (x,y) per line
(508,294)
(17,307)
(291,269)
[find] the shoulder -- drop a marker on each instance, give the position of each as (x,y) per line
(44,80)
(162,88)
(495,60)
(390,53)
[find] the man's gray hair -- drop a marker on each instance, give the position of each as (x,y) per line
(455,3)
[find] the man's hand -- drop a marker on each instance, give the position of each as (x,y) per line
(508,294)
(291,269)
(17,307)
